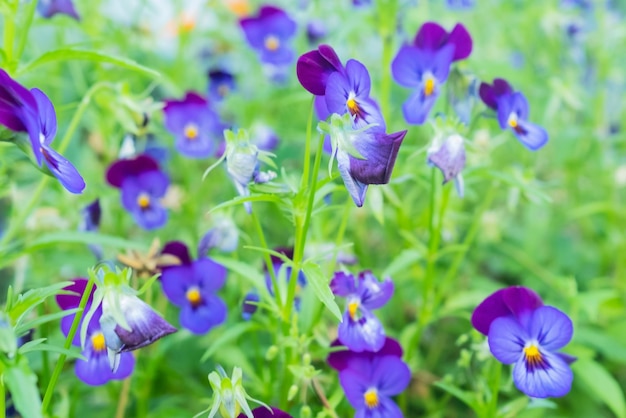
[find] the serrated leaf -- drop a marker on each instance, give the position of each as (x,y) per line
(600,383)
(65,54)
(25,302)
(319,282)
(22,384)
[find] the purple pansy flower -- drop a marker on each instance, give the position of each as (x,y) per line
(95,369)
(512,110)
(264,412)
(270,34)
(91,215)
(448,155)
(360,330)
(49,8)
(340,360)
(249,305)
(424,66)
(192,286)
(523,332)
(315,31)
(31,111)
(143,185)
(314,67)
(194,124)
(221,83)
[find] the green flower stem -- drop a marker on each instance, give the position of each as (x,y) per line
(68,343)
(307,148)
(24,28)
(17,224)
(268,260)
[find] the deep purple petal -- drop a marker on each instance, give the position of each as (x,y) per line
(486,93)
(263,412)
(462,41)
(63,170)
(202,318)
(374,294)
(515,300)
(249,305)
(379,151)
(391,375)
(430,36)
(314,67)
(363,334)
(340,360)
(550,327)
(507,339)
(121,169)
(554,380)
(343,284)
(179,250)
(567,358)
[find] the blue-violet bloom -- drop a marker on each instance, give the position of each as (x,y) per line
(263,412)
(91,215)
(360,330)
(48,8)
(424,66)
(270,34)
(192,286)
(142,184)
(249,305)
(512,110)
(221,83)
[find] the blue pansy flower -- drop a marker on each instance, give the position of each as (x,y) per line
(270,34)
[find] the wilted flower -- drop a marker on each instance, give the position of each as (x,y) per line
(221,83)
(448,155)
(360,330)
(270,34)
(143,185)
(194,124)
(425,64)
(512,111)
(31,111)
(95,369)
(146,265)
(49,8)
(229,396)
(523,332)
(192,286)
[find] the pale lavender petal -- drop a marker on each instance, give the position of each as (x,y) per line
(530,135)
(551,328)
(554,380)
(374,294)
(507,339)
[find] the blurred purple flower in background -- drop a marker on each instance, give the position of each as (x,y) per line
(48,8)
(269,34)
(95,369)
(263,412)
(425,64)
(448,155)
(523,332)
(196,127)
(247,308)
(283,270)
(142,186)
(192,286)
(360,330)
(91,215)
(31,111)
(315,31)
(512,111)
(221,84)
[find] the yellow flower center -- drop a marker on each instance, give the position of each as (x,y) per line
(533,355)
(193,296)
(191,131)
(97,342)
(353,308)
(513,123)
(271,42)
(143,200)
(429,86)
(371,398)
(353,106)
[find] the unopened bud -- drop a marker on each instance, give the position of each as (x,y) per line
(305,412)
(293,391)
(306,359)
(271,353)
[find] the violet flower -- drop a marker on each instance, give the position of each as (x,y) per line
(448,155)
(315,31)
(221,84)
(270,34)
(314,67)
(360,330)
(523,332)
(512,111)
(143,185)
(31,111)
(91,215)
(48,8)
(249,305)
(194,124)
(424,66)
(344,359)
(192,286)
(95,369)
(263,412)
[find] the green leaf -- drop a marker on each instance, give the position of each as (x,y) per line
(25,302)
(601,384)
(468,398)
(23,328)
(239,200)
(79,237)
(319,282)
(8,340)
(22,384)
(65,54)
(40,345)
(402,262)
(231,334)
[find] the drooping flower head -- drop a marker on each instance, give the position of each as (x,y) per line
(270,34)
(370,379)
(522,331)
(196,127)
(448,155)
(143,185)
(229,395)
(48,8)
(192,286)
(31,111)
(512,111)
(221,84)
(224,236)
(424,66)
(95,368)
(360,329)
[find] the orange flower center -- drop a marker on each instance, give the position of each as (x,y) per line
(271,42)
(371,398)
(191,131)
(97,342)
(533,355)
(429,86)
(143,200)
(353,308)
(193,296)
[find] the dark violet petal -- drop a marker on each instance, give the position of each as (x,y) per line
(515,300)
(343,284)
(379,151)
(356,189)
(374,294)
(551,328)
(72,301)
(247,308)
(208,274)
(47,115)
(200,319)
(63,170)
(340,360)
(11,120)
(121,169)
(462,42)
(177,249)
(449,158)
(13,94)
(430,36)
(554,380)
(417,106)
(406,66)
(390,348)
(501,87)
(506,339)
(391,375)
(176,280)
(530,135)
(487,95)
(263,412)
(92,214)
(364,334)
(314,67)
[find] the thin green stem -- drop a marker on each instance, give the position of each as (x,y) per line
(9,37)
(25,28)
(307,149)
(433,244)
(123,399)
(68,343)
(268,259)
